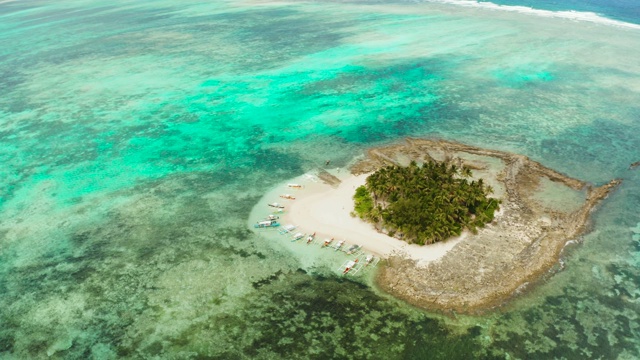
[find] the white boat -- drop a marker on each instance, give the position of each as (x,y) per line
(339,244)
(310,238)
(327,242)
(297,236)
(349,266)
(266,224)
(276,205)
(288,196)
(295,186)
(287,228)
(368,260)
(371,260)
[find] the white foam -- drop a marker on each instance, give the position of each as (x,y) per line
(311,177)
(568,14)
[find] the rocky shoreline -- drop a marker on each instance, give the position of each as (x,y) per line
(523,242)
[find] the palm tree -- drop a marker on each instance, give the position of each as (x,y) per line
(429,202)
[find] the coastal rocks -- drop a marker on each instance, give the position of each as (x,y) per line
(523,243)
(328,178)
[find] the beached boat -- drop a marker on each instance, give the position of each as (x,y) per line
(349,266)
(353,249)
(288,196)
(272,217)
(276,205)
(371,260)
(368,260)
(310,238)
(295,186)
(297,236)
(327,242)
(339,245)
(266,224)
(287,228)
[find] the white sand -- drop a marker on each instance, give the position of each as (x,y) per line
(326,210)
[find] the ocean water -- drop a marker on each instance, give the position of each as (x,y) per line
(136,137)
(623,10)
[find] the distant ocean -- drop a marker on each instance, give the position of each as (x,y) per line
(137,136)
(621,13)
(622,10)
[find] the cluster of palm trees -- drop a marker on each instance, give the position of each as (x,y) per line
(425,204)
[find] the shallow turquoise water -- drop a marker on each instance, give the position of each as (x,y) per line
(135,137)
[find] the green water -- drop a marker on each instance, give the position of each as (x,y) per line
(135,138)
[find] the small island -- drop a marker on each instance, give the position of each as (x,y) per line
(541,211)
(425,204)
(458,228)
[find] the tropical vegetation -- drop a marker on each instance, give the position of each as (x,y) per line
(426,203)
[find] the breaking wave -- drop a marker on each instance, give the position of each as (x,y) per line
(564,14)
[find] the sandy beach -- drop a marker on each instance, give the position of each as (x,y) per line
(324,209)
(465,274)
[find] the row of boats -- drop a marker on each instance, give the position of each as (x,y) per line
(349,267)
(272,220)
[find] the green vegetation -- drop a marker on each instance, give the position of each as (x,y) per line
(425,204)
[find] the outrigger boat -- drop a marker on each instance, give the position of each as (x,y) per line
(327,242)
(339,244)
(295,186)
(288,196)
(349,266)
(287,228)
(353,248)
(297,236)
(368,260)
(371,260)
(276,205)
(272,217)
(310,238)
(266,224)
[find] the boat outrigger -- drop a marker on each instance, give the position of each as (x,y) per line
(276,205)
(310,238)
(287,228)
(339,245)
(368,260)
(327,242)
(349,266)
(297,236)
(266,224)
(371,260)
(288,196)
(353,249)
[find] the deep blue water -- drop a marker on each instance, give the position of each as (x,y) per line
(623,10)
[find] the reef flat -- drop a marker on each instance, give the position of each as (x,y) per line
(542,210)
